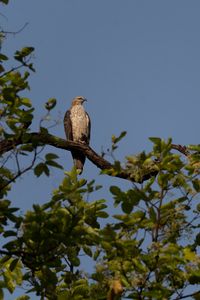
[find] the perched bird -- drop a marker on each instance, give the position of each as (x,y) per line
(77,128)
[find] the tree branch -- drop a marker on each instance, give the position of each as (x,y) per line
(40,139)
(14,32)
(181,149)
(19,172)
(188,296)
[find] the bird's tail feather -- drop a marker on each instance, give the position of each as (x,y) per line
(79,166)
(79,160)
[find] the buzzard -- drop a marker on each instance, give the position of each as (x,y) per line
(77,128)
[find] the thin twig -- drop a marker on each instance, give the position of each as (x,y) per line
(188,295)
(181,149)
(15,32)
(19,173)
(12,70)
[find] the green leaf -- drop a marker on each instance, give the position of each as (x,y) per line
(127,207)
(189,255)
(3,57)
(44,130)
(26,102)
(27,147)
(75,261)
(4,1)
(194,278)
(13,264)
(152,214)
(115,190)
(50,104)
(117,139)
(9,94)
(155,140)
(197,239)
(54,164)
(1,68)
(9,233)
(31,67)
(96,254)
(41,168)
(196,296)
(50,156)
(196,184)
(23,297)
(87,250)
(24,52)
(5,258)
(64,295)
(102,214)
(194,147)
(46,170)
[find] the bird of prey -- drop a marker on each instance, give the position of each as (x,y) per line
(77,128)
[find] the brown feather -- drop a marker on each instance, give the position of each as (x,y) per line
(68,126)
(78,156)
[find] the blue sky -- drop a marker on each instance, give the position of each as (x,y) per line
(137,62)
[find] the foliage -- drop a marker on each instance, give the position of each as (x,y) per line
(4,1)
(148,251)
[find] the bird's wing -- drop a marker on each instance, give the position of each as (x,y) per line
(68,125)
(89,128)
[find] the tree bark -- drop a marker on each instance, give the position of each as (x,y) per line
(41,139)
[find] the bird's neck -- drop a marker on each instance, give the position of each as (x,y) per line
(77,108)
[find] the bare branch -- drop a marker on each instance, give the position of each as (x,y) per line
(15,32)
(19,172)
(180,148)
(188,296)
(12,70)
(41,139)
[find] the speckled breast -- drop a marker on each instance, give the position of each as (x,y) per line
(79,123)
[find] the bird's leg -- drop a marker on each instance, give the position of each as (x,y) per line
(84,139)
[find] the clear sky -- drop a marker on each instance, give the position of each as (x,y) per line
(137,62)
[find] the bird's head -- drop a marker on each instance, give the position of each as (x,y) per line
(79,100)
